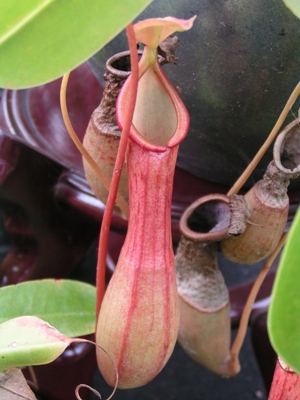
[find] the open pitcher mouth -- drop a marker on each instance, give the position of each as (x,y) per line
(207,219)
(154,117)
(286,151)
(160,118)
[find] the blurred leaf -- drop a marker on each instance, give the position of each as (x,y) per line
(13,386)
(29,341)
(284,312)
(40,40)
(67,305)
(294,6)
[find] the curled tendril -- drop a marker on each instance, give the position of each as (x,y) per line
(82,385)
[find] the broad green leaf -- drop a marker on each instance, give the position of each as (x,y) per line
(294,6)
(29,341)
(40,40)
(67,305)
(284,312)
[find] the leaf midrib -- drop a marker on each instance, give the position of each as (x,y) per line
(16,28)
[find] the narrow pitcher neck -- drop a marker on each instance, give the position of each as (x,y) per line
(150,177)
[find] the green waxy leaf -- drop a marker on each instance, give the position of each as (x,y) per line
(40,40)
(67,305)
(284,312)
(294,6)
(29,341)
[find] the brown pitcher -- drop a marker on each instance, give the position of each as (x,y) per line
(204,331)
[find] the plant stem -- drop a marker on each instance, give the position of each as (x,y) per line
(63,104)
(248,171)
(236,347)
(106,221)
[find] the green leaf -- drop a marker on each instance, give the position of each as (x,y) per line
(29,341)
(284,312)
(67,305)
(294,6)
(40,40)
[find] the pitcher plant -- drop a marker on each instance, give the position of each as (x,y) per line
(139,316)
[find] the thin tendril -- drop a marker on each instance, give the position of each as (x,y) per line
(236,347)
(248,171)
(77,340)
(64,109)
(82,385)
(106,221)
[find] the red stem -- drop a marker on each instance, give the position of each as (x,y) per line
(106,221)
